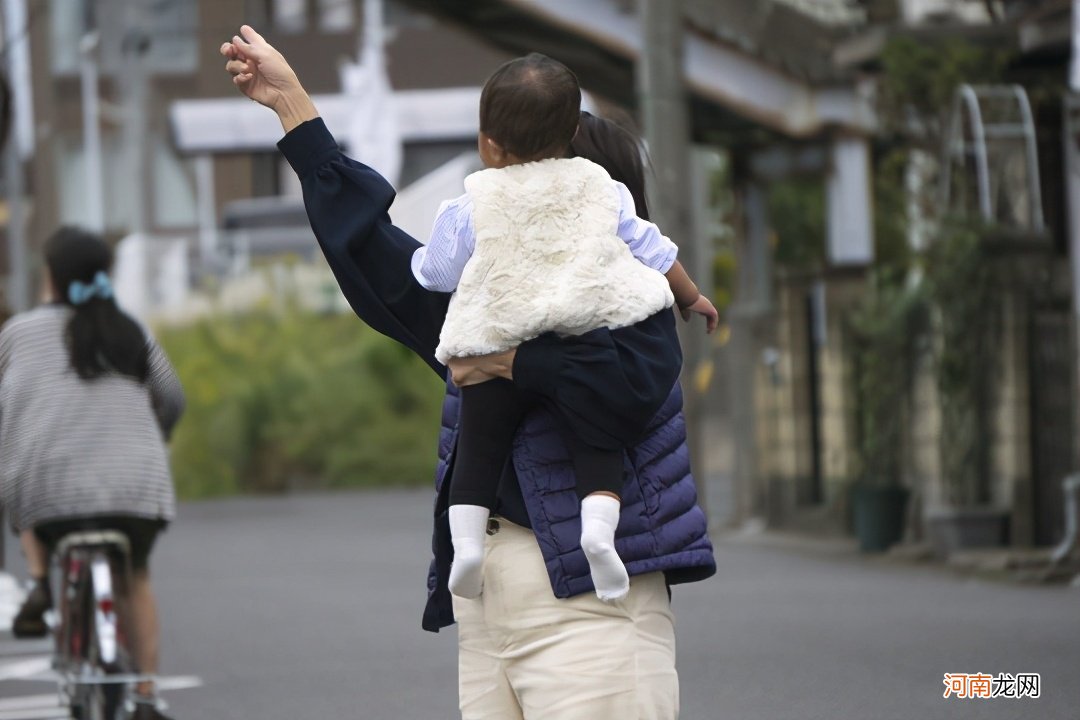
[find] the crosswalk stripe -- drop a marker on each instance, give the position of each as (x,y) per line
(55,713)
(25,669)
(30,702)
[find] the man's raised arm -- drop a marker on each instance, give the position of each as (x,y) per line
(347,204)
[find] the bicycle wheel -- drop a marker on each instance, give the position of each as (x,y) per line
(94,699)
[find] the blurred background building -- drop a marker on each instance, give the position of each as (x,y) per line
(875,192)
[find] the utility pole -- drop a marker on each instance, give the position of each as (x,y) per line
(663,103)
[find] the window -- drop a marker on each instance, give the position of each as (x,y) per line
(171,26)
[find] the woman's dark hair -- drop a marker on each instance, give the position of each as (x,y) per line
(100,337)
(615,149)
(530,106)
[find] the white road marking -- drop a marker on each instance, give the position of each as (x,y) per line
(25,669)
(47,706)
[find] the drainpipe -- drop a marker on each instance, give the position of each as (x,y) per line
(1072,197)
(1071,487)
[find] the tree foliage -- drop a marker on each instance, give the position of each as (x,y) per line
(299,400)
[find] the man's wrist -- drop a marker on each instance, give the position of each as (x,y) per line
(295,108)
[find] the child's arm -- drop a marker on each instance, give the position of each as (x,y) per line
(689,298)
(652,248)
(438,265)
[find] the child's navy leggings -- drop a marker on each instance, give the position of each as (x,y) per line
(490,414)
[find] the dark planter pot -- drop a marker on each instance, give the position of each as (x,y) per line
(954,529)
(878,515)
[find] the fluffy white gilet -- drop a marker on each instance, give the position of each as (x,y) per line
(547,259)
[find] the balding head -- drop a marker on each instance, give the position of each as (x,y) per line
(530,106)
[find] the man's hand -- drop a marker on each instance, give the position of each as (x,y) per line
(481,368)
(262,73)
(704,307)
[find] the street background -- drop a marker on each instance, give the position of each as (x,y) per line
(880,197)
(310,606)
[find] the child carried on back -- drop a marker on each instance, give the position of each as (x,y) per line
(540,243)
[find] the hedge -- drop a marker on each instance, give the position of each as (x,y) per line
(298,400)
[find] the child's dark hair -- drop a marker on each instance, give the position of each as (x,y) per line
(100,337)
(530,107)
(617,150)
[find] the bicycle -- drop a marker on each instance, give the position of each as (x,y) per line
(92,626)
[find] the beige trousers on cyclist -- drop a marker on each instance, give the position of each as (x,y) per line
(525,655)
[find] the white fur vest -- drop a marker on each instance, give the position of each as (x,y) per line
(547,259)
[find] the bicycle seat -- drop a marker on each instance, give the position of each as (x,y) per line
(94,538)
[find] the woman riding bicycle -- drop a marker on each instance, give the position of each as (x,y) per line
(87,402)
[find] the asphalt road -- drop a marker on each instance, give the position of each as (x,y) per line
(309,607)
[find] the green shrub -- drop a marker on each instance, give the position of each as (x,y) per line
(299,401)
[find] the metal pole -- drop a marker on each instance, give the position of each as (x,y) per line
(1072,188)
(373,37)
(752,301)
(663,103)
(1074,67)
(136,42)
(204,193)
(88,75)
(19,283)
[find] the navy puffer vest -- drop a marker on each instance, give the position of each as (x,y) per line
(661,528)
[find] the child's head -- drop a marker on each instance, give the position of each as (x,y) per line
(75,256)
(529,110)
(100,337)
(615,149)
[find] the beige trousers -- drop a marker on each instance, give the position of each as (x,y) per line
(525,655)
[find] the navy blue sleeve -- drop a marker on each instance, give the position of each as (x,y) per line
(347,204)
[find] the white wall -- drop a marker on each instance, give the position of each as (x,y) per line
(918,11)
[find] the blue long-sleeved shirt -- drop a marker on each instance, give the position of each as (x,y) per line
(440,264)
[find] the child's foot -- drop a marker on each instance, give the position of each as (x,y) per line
(468,528)
(467,573)
(599,518)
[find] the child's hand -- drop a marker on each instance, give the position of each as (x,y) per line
(704,307)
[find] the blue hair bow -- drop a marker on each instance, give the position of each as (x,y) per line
(80,293)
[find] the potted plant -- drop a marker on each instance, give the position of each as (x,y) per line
(886,335)
(967,327)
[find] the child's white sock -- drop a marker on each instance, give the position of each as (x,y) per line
(468,527)
(599,518)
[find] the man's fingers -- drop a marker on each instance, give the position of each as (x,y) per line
(227,50)
(247,51)
(237,66)
(251,36)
